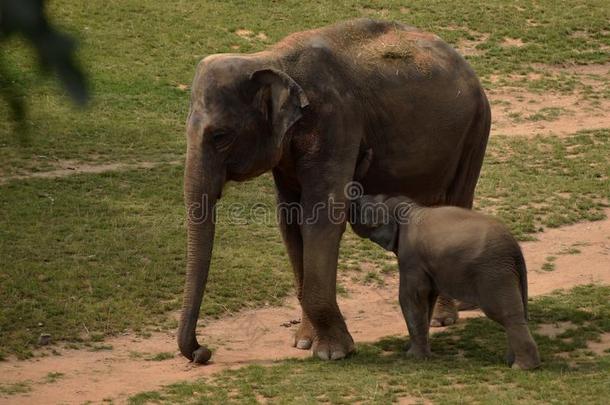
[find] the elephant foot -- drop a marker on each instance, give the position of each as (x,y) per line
(526,365)
(531,362)
(419,353)
(335,345)
(445,312)
(303,338)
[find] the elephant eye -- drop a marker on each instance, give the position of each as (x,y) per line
(222,139)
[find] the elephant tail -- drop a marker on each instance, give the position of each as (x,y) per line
(522,271)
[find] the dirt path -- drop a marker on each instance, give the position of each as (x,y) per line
(70,167)
(257,336)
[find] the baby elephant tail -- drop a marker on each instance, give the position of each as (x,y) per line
(522,270)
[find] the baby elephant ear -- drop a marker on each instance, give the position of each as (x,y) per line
(386,235)
(282,100)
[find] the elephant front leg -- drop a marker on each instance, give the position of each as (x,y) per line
(417,296)
(290,217)
(332,340)
(291,234)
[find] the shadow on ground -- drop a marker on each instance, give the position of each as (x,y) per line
(468,366)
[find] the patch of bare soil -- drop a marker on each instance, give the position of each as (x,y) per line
(262,336)
(413,401)
(554,329)
(521,113)
(512,42)
(598,69)
(516,111)
(601,347)
(468,47)
(71,167)
(590,266)
(250,35)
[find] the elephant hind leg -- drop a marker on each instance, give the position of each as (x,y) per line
(505,306)
(523,351)
(445,312)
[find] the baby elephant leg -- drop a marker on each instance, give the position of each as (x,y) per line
(522,350)
(417,297)
(505,306)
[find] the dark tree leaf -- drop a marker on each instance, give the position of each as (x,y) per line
(55,51)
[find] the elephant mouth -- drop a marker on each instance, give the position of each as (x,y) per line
(241,176)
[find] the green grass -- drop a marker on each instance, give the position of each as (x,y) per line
(89,256)
(161,356)
(548,266)
(53,377)
(93,255)
(140,75)
(546,114)
(547,181)
(98,347)
(468,367)
(549,263)
(572,250)
(22,387)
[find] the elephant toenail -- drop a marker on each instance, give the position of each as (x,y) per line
(323,354)
(449,321)
(337,355)
(435,323)
(304,344)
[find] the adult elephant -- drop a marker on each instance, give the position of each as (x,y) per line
(309,109)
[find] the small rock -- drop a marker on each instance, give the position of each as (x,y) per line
(44,339)
(40,324)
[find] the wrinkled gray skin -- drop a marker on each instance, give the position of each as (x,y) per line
(458,252)
(308,109)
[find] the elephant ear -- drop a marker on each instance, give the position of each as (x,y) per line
(386,235)
(281,99)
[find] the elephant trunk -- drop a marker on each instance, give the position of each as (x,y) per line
(202,187)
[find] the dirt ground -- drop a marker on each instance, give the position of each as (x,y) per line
(576,113)
(259,336)
(63,168)
(516,111)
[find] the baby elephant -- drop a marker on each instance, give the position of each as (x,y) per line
(463,254)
